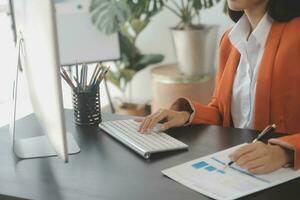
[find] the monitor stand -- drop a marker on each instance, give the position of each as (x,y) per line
(32,147)
(39,146)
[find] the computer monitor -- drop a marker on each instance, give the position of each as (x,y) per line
(35,24)
(79,39)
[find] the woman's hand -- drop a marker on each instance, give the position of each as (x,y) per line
(173,119)
(260,158)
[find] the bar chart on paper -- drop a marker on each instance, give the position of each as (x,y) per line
(208,176)
(204,165)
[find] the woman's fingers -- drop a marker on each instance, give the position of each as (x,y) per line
(263,169)
(174,118)
(248,157)
(254,163)
(151,121)
(241,151)
(264,159)
(160,116)
(146,121)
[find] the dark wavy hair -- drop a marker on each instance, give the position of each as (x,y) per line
(279,10)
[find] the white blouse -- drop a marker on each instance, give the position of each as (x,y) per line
(251,49)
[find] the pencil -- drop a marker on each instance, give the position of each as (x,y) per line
(68,81)
(102,75)
(85,72)
(66,75)
(94,74)
(81,77)
(77,73)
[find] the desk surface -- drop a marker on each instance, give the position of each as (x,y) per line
(105,169)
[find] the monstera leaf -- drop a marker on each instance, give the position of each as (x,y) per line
(145,7)
(129,18)
(109,15)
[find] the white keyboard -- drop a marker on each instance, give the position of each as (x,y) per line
(126,131)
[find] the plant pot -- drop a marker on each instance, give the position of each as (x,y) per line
(196,50)
(133,109)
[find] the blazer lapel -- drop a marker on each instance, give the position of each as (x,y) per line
(225,88)
(264,80)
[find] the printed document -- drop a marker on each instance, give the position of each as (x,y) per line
(209,176)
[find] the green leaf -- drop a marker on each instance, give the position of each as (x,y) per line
(154,7)
(139,25)
(146,60)
(127,74)
(197,4)
(113,78)
(151,59)
(128,50)
(109,15)
(137,7)
(145,7)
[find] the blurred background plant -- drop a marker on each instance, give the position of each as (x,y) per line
(128,18)
(188,10)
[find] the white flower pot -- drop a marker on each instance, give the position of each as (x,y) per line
(196,50)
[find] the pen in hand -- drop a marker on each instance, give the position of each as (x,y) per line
(267,130)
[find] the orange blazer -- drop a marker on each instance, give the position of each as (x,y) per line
(277,92)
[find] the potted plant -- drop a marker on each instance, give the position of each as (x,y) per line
(195,43)
(129,18)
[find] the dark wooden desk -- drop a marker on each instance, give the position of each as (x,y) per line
(105,169)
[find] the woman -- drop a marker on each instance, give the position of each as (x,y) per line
(257,84)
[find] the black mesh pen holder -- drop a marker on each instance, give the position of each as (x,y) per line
(87,109)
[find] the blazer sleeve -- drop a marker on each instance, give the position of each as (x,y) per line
(291,49)
(207,114)
(200,114)
(291,142)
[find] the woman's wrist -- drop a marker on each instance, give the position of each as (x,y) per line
(185,116)
(182,105)
(289,156)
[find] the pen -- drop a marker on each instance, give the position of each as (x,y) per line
(267,130)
